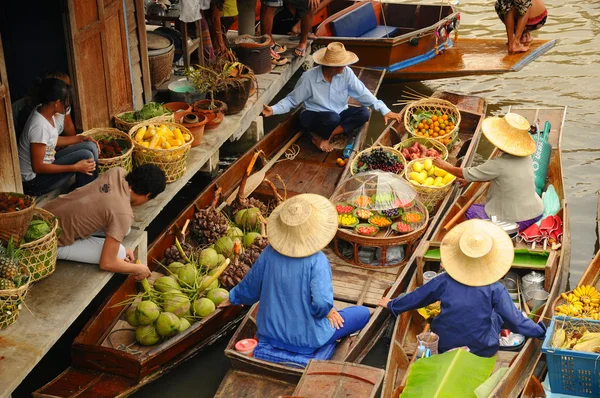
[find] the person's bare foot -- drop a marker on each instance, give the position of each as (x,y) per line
(526,39)
(322,144)
(518,47)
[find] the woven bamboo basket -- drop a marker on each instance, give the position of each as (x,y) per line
(39,256)
(430,196)
(354,165)
(126,126)
(161,67)
(10,304)
(171,161)
(15,223)
(123,160)
(429,143)
(432,105)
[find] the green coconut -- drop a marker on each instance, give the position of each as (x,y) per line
(218,295)
(131,317)
(209,258)
(176,302)
(235,232)
(175,267)
(146,335)
(167,324)
(203,307)
(183,324)
(213,285)
(248,219)
(220,259)
(250,237)
(188,274)
(147,312)
(224,246)
(239,217)
(166,283)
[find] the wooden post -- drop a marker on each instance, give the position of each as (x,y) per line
(246,17)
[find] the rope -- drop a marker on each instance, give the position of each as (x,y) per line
(123,347)
(383,18)
(291,153)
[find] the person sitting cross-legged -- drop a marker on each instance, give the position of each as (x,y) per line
(324,91)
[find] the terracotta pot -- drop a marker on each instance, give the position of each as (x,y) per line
(197,128)
(236,95)
(178,106)
(214,116)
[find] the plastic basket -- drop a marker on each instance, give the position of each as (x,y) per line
(572,372)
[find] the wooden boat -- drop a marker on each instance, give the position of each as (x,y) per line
(521,363)
(100,369)
(417,41)
(353,285)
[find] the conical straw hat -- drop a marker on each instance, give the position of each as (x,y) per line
(510,134)
(477,253)
(302,226)
(335,54)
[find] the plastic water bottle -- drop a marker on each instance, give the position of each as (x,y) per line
(421,350)
(348,149)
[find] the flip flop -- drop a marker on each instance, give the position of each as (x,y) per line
(278,48)
(279,62)
(299,52)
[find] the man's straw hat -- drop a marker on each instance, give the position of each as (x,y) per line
(302,226)
(510,134)
(477,253)
(335,54)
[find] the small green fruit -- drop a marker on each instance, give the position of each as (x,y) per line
(203,307)
(130,315)
(166,283)
(147,312)
(183,324)
(146,335)
(217,295)
(187,275)
(167,324)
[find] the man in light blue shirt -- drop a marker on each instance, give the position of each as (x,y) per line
(324,91)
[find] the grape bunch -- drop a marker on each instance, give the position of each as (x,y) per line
(379,159)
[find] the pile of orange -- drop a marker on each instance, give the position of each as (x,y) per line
(434,127)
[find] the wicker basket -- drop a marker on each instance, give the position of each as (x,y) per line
(354,165)
(431,105)
(123,160)
(15,223)
(171,161)
(126,126)
(10,304)
(39,256)
(161,67)
(429,143)
(430,196)
(255,52)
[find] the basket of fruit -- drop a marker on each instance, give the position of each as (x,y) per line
(380,221)
(14,282)
(166,145)
(16,211)
(363,214)
(38,252)
(431,183)
(366,229)
(347,220)
(422,147)
(344,208)
(115,148)
(378,158)
(151,112)
(432,118)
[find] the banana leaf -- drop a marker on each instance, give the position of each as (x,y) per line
(523,258)
(452,374)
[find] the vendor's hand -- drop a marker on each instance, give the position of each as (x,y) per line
(335,319)
(441,163)
(314,4)
(142,272)
(129,256)
(391,116)
(461,182)
(85,166)
(225,304)
(267,111)
(384,302)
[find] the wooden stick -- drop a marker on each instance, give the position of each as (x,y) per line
(462,211)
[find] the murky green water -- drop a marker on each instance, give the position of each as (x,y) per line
(568,76)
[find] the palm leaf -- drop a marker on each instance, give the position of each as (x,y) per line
(452,374)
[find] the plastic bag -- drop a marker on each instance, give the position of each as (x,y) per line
(551,203)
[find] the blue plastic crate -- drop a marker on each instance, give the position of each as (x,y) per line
(572,372)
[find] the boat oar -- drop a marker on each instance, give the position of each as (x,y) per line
(257,178)
(464,209)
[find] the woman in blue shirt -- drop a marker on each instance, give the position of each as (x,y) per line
(474,305)
(292,280)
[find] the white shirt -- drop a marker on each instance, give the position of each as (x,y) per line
(37,130)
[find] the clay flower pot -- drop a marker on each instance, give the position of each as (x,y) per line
(236,95)
(178,106)
(193,121)
(214,116)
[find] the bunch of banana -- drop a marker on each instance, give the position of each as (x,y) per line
(161,137)
(583,302)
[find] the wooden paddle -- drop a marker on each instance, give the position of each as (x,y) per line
(464,209)
(257,178)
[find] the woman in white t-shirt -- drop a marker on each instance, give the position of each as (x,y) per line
(43,168)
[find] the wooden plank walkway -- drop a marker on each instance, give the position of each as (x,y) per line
(55,302)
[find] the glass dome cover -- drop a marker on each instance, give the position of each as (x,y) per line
(377,190)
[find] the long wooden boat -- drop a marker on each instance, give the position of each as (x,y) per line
(417,41)
(353,285)
(100,369)
(556,267)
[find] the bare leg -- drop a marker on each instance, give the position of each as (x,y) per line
(509,22)
(516,45)
(296,29)
(306,27)
(266,19)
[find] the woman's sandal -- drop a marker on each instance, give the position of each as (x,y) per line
(278,48)
(279,62)
(300,52)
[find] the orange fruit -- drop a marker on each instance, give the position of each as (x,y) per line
(420,125)
(435,134)
(442,125)
(434,118)
(445,117)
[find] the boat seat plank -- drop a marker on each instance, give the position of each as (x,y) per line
(325,181)
(474,56)
(234,383)
(84,383)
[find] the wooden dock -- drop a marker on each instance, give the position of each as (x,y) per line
(54,303)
